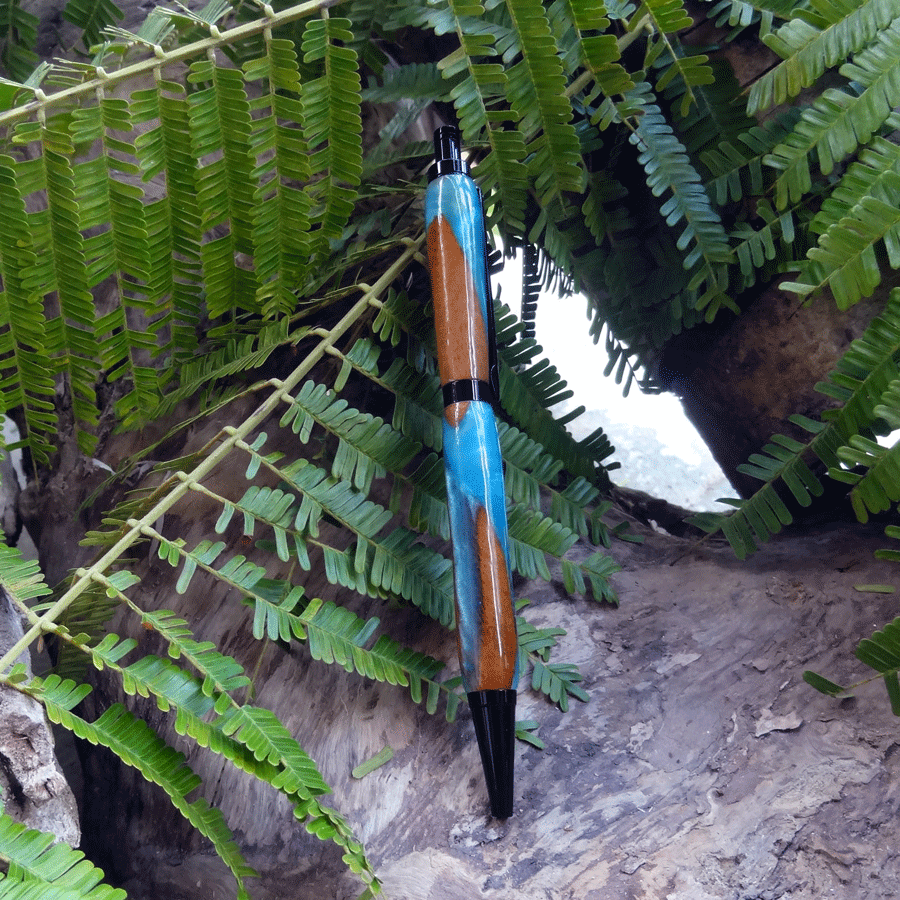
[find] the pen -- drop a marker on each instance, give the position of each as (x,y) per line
(467,360)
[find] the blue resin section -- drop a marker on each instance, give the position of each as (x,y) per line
(474,470)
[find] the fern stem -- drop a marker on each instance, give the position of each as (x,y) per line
(85,577)
(162,57)
(624,42)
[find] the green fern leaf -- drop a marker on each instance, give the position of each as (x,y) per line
(878,487)
(668,169)
(528,389)
(42,869)
(757,246)
(27,379)
(332,126)
(21,578)
(882,653)
(889,408)
(716,112)
(595,572)
(536,92)
(251,738)
(91,16)
(860,383)
(862,178)
(845,259)
(18,38)
(808,49)
(478,84)
(281,210)
(126,336)
(338,635)
(220,127)
(681,70)
(558,681)
(737,167)
(137,745)
(838,121)
(174,221)
(367,447)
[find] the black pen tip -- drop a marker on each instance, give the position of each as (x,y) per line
(494,715)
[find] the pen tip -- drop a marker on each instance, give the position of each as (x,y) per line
(494,715)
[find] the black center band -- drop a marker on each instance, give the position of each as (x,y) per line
(464,389)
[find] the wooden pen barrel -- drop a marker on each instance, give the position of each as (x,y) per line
(473,464)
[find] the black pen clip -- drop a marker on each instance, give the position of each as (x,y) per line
(493,363)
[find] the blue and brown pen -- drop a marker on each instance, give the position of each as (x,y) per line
(467,359)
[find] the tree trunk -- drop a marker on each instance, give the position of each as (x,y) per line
(742,377)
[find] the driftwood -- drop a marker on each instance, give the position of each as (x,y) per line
(701,767)
(33,788)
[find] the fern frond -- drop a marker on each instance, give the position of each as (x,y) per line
(839,121)
(717,114)
(876,488)
(367,446)
(844,259)
(42,869)
(479,85)
(393,564)
(881,652)
(251,738)
(203,376)
(740,13)
(665,53)
(174,221)
(332,126)
(220,128)
(137,745)
(336,634)
(860,382)
(21,578)
(18,38)
(27,379)
(595,571)
(126,338)
(92,17)
(755,245)
(808,48)
(737,167)
(668,168)
(558,681)
(280,161)
(536,91)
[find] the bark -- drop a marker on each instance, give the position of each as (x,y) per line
(702,766)
(33,789)
(741,378)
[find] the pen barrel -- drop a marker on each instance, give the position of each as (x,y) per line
(456,242)
(459,285)
(485,616)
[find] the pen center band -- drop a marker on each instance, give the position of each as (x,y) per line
(461,390)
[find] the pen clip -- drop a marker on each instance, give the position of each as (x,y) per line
(493,363)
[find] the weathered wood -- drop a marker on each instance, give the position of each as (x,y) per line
(702,766)
(33,789)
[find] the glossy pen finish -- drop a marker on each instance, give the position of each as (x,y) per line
(485,616)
